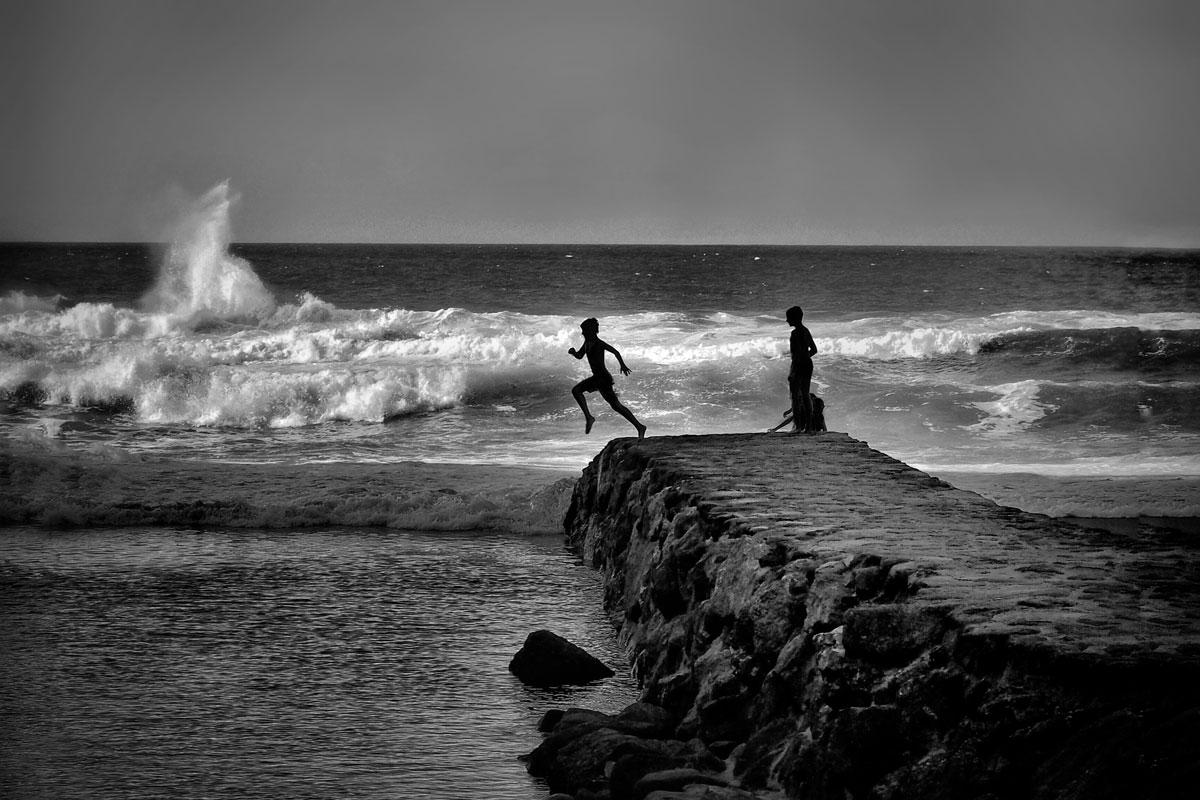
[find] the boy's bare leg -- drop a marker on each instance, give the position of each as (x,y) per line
(806,400)
(589,420)
(797,407)
(627,414)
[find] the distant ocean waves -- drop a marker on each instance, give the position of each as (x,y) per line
(313,363)
(1167,501)
(1050,392)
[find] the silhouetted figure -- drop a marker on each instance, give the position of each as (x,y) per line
(800,376)
(601,380)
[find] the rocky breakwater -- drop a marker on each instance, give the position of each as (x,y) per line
(845,626)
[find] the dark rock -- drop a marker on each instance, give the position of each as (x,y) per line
(724,718)
(579,764)
(574,717)
(702,792)
(633,761)
(723,748)
(541,760)
(891,633)
(547,659)
(645,719)
(550,720)
(630,768)
(762,750)
(672,780)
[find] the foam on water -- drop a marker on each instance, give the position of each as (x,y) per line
(210,365)
(890,338)
(1018,404)
(200,279)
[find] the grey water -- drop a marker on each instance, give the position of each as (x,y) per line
(359,663)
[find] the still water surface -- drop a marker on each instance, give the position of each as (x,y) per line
(283,664)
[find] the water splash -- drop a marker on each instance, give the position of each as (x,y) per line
(200,280)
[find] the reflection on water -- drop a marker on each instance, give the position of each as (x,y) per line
(282,664)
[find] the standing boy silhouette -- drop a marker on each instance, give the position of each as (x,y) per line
(800,377)
(601,380)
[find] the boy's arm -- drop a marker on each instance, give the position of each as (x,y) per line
(812,345)
(581,352)
(620,361)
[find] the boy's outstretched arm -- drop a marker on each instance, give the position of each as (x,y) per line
(620,361)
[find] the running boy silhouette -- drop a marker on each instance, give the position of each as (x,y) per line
(601,380)
(800,377)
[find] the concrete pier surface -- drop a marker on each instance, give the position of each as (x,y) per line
(862,629)
(1000,570)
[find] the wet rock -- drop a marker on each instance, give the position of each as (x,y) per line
(606,754)
(550,720)
(893,632)
(702,792)
(837,624)
(630,768)
(673,780)
(547,659)
(580,763)
(645,719)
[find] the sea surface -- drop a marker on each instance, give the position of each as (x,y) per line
(1064,364)
(351,662)
(1060,381)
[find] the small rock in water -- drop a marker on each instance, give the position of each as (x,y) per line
(547,659)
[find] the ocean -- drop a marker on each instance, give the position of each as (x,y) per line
(374,401)
(1078,367)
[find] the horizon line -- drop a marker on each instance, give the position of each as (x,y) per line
(873,245)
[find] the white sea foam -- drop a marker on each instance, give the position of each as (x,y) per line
(278,399)
(1018,404)
(200,279)
(312,362)
(18,302)
(885,338)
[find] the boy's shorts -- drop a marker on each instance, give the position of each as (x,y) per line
(599,384)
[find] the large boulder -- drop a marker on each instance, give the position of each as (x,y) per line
(547,659)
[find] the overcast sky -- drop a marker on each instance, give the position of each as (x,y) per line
(701,121)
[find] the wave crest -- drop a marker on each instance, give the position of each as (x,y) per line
(200,279)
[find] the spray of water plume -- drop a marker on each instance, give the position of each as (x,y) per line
(200,279)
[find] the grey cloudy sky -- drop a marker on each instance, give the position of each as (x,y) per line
(732,121)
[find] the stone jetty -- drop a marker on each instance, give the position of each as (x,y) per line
(837,624)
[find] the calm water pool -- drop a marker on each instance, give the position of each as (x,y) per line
(283,664)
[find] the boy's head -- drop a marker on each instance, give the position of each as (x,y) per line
(590,326)
(794,315)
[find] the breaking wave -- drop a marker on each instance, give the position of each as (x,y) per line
(51,485)
(310,362)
